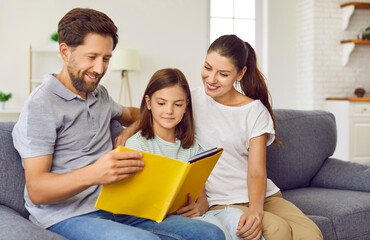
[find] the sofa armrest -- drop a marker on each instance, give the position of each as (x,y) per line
(15,227)
(344,175)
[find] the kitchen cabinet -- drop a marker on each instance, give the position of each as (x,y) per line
(353,127)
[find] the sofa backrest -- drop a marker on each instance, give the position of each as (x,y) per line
(309,138)
(11,172)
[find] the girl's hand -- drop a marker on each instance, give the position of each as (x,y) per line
(250,225)
(193,209)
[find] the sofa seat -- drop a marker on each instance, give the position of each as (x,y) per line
(349,211)
(14,226)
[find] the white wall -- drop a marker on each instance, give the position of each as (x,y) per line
(281,52)
(167,33)
(305,54)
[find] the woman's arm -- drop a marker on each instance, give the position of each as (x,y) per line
(250,224)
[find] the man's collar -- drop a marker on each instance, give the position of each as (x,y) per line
(55,86)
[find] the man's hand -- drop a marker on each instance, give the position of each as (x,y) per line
(250,226)
(115,166)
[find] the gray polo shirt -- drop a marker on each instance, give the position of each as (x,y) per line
(75,131)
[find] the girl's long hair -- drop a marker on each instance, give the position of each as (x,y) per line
(184,130)
(242,54)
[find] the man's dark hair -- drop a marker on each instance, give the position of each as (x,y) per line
(79,22)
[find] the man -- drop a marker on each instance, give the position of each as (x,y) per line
(64,140)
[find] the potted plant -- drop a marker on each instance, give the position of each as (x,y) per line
(54,37)
(3,98)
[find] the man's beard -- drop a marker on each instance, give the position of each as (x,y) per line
(79,83)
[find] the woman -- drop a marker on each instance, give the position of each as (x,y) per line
(232,111)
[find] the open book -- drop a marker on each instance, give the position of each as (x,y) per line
(162,186)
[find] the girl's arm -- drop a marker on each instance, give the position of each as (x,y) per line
(250,224)
(197,208)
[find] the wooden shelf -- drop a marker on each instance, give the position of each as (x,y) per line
(6,116)
(357,5)
(356,41)
(351,99)
(349,46)
(45,56)
(349,8)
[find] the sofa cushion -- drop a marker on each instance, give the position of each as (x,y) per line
(348,210)
(11,172)
(309,137)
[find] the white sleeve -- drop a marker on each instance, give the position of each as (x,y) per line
(263,124)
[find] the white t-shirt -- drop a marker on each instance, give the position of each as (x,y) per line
(231,128)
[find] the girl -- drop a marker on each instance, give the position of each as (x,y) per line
(166,128)
(233,112)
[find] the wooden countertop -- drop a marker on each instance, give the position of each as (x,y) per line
(351,99)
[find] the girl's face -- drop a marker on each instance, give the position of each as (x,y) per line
(218,75)
(168,107)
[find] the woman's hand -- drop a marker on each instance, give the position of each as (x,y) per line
(250,225)
(193,209)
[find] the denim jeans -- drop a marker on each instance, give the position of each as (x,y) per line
(101,225)
(226,219)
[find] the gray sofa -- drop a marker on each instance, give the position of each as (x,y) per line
(335,194)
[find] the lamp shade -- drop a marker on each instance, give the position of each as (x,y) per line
(125,59)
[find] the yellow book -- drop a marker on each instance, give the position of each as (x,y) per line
(160,188)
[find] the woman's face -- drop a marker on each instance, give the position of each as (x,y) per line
(218,75)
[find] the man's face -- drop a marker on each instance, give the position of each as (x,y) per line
(88,62)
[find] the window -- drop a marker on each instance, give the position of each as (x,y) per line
(233,17)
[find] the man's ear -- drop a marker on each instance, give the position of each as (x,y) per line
(65,51)
(147,100)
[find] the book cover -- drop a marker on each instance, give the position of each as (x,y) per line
(160,188)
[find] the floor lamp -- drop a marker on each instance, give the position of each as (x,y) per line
(125,60)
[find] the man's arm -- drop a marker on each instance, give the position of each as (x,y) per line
(129,115)
(45,187)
